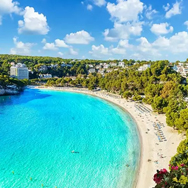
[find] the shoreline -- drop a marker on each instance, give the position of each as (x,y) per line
(153,154)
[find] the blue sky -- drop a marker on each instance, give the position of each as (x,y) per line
(95,29)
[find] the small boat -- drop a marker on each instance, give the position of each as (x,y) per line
(74,151)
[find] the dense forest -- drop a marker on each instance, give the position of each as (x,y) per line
(53,65)
(160,86)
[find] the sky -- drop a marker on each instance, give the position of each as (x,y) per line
(95,29)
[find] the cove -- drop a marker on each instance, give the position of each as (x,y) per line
(40,129)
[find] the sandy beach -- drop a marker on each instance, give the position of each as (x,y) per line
(154,154)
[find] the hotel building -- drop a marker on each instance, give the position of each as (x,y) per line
(19,71)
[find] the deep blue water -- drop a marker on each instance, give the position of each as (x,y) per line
(39,129)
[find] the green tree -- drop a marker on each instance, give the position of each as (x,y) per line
(158,104)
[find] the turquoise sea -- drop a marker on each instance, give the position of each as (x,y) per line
(39,129)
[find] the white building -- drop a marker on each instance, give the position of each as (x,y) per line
(175,68)
(46,76)
(42,68)
(105,66)
(98,67)
(113,64)
(66,65)
(186,99)
(12,63)
(54,65)
(181,64)
(101,71)
(91,70)
(19,71)
(183,70)
(144,67)
(121,64)
(109,70)
(90,66)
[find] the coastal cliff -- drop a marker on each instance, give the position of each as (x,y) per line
(10,85)
(10,90)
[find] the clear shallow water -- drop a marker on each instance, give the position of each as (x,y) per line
(39,129)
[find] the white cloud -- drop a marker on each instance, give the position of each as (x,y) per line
(162,28)
(125,10)
(89,7)
(21,48)
(124,44)
(8,7)
(123,31)
(80,37)
(161,48)
(54,45)
(60,43)
(125,15)
(144,44)
(50,46)
(167,7)
(176,44)
(179,42)
(150,12)
(145,50)
(120,51)
(33,23)
(60,53)
(161,42)
(43,41)
(186,23)
(99,51)
(121,48)
(99,2)
(176,9)
(72,51)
